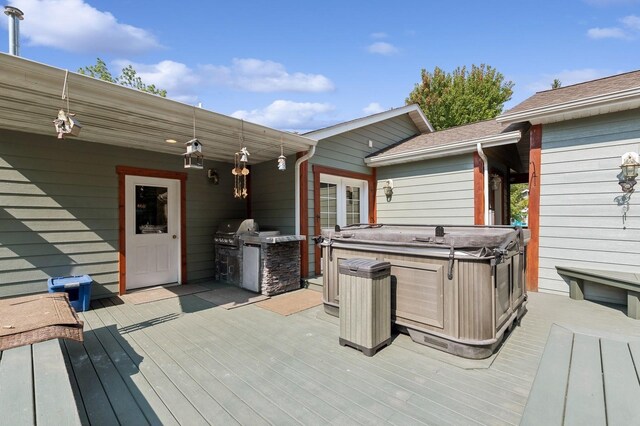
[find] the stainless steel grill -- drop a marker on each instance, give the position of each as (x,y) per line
(227,248)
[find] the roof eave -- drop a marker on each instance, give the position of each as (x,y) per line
(413,110)
(457,148)
(601,104)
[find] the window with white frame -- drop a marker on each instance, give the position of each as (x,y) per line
(343,201)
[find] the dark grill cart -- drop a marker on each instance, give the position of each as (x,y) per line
(455,288)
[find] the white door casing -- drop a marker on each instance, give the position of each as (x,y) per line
(152,228)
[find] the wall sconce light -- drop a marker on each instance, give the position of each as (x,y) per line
(213,176)
(193,158)
(629,165)
(388,189)
(495,182)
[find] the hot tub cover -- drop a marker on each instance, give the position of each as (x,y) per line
(476,241)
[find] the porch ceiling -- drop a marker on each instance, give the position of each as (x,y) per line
(30,96)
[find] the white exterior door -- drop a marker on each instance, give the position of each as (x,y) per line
(152,224)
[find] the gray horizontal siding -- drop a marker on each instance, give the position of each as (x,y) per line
(581,219)
(59,211)
(348,150)
(273,196)
(438,191)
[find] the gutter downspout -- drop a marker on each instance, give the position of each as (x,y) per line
(485,162)
(299,161)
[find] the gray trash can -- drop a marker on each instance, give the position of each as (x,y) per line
(365,304)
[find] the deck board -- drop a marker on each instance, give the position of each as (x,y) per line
(185,361)
(16,386)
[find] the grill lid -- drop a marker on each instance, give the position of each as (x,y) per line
(234,227)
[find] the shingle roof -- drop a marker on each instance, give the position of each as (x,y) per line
(466,132)
(579,91)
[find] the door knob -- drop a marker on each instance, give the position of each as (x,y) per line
(174,237)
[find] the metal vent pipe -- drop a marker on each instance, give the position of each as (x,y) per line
(15,15)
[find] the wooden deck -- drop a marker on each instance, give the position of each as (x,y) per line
(185,361)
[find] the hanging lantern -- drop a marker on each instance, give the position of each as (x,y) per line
(282,160)
(193,158)
(65,124)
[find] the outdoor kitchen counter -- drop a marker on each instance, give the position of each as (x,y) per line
(256,239)
(275,266)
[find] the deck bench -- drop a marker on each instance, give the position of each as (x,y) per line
(35,388)
(585,379)
(624,280)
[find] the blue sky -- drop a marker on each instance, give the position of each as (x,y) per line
(300,65)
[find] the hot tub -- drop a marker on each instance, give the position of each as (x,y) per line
(455,288)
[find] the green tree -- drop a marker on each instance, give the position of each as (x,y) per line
(462,96)
(556,84)
(128,77)
(519,201)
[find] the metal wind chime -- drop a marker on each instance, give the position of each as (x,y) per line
(240,170)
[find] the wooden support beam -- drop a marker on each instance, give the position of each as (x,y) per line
(533,249)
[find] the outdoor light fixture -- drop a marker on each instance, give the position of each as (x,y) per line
(629,165)
(193,158)
(388,189)
(213,176)
(282,160)
(65,123)
(495,182)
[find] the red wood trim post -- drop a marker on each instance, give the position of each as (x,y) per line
(533,249)
(316,214)
(304,216)
(373,190)
(122,172)
(478,190)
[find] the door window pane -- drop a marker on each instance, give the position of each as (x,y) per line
(352,194)
(151,209)
(328,205)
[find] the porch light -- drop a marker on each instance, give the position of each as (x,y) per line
(629,165)
(388,189)
(193,158)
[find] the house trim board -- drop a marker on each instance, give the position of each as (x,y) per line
(123,171)
(317,171)
(478,190)
(533,249)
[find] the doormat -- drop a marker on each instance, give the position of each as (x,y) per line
(231,297)
(30,319)
(161,293)
(290,303)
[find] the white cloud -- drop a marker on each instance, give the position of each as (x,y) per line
(632,22)
(612,32)
(372,108)
(289,115)
(379,35)
(629,30)
(75,26)
(567,78)
(255,75)
(382,48)
(176,78)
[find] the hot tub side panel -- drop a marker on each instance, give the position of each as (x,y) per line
(422,297)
